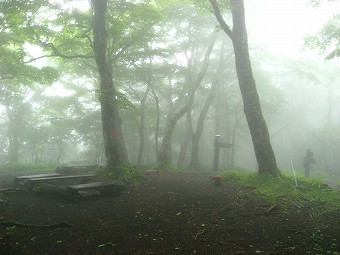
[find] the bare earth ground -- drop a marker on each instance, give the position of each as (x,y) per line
(165,214)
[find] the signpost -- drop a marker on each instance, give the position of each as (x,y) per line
(217,146)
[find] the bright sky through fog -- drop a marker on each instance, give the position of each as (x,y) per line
(80,4)
(281,25)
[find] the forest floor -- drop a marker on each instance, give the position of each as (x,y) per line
(165,214)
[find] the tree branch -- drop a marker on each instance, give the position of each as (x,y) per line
(34,59)
(220,19)
(56,52)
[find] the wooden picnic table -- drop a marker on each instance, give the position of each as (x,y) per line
(22,179)
(108,187)
(82,178)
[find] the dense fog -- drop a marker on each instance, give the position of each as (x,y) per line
(158,62)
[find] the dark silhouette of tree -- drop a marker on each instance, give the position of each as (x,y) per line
(108,93)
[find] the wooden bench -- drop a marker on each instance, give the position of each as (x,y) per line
(29,183)
(20,180)
(109,187)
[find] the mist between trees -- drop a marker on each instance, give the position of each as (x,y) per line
(144,84)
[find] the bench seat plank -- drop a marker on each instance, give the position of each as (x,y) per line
(61,177)
(23,178)
(92,185)
(108,187)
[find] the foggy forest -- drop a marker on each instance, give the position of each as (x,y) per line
(186,108)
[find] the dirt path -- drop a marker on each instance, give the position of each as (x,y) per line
(166,214)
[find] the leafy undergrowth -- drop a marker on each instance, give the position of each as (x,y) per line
(129,174)
(285,191)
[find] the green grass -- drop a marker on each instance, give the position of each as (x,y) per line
(312,192)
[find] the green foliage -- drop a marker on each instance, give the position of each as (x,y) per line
(26,168)
(328,39)
(309,192)
(16,33)
(123,102)
(10,230)
(126,173)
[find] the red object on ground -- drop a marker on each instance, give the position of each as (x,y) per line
(218,180)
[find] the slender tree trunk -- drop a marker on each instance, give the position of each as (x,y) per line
(186,141)
(196,136)
(237,121)
(14,125)
(107,91)
(142,127)
(252,108)
(60,150)
(157,120)
(147,76)
(14,145)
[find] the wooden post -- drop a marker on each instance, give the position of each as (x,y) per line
(309,159)
(216,152)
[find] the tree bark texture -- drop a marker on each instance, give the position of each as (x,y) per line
(251,102)
(107,91)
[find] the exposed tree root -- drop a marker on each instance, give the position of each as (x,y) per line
(51,226)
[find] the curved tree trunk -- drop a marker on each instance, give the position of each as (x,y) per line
(165,153)
(196,136)
(257,125)
(107,91)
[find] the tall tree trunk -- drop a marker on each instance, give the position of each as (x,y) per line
(14,145)
(147,77)
(157,120)
(107,91)
(14,125)
(252,108)
(119,136)
(196,136)
(186,141)
(237,120)
(142,126)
